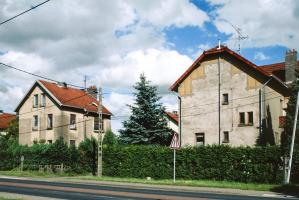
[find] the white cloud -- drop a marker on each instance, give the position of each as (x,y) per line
(260,56)
(170,13)
(162,67)
(65,40)
(267,23)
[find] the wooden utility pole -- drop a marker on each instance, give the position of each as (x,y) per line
(100,134)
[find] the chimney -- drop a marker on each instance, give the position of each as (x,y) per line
(92,91)
(290,66)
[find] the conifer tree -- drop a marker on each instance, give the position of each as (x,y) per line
(291,108)
(147,123)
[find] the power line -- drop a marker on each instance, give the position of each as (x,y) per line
(33,7)
(60,126)
(229,108)
(36,75)
(250,96)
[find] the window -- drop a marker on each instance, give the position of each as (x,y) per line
(96,124)
(73,122)
(72,142)
(225,137)
(49,141)
(43,100)
(35,122)
(35,101)
(200,139)
(225,99)
(50,121)
(241,118)
(250,118)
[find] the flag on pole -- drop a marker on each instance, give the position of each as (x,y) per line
(175,142)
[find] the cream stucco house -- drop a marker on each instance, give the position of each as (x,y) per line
(226,99)
(52,110)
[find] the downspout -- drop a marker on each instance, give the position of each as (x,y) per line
(219,85)
(180,119)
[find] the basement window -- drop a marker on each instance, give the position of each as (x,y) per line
(225,99)
(225,137)
(72,142)
(242,118)
(49,141)
(200,139)
(250,118)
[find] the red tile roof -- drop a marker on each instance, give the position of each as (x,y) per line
(5,119)
(73,97)
(275,67)
(173,116)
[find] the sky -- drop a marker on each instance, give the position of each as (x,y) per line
(113,42)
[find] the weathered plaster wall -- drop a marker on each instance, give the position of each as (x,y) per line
(199,109)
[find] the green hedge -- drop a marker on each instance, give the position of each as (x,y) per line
(241,164)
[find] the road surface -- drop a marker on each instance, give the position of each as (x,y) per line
(74,191)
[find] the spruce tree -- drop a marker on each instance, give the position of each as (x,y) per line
(286,136)
(147,124)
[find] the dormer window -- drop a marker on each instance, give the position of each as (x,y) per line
(35,101)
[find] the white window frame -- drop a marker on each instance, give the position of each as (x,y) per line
(72,123)
(202,135)
(35,122)
(48,123)
(35,101)
(43,100)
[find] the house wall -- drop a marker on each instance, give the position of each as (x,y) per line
(199,106)
(61,120)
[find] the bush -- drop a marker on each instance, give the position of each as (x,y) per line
(224,163)
(243,164)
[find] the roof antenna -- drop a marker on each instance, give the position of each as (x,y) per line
(241,36)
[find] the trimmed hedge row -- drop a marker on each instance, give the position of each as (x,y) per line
(241,164)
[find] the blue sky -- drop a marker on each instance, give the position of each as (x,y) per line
(113,42)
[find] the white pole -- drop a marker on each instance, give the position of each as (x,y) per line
(174,165)
(293,141)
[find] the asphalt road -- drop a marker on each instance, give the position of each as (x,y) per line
(76,191)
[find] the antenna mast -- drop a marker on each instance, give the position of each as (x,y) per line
(241,36)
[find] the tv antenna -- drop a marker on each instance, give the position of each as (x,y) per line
(241,36)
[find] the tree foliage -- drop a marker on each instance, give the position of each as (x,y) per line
(147,124)
(13,129)
(291,108)
(110,138)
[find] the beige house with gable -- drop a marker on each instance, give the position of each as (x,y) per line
(52,110)
(226,99)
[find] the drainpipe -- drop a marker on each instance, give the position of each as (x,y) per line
(180,119)
(261,102)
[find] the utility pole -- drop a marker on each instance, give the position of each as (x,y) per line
(100,135)
(293,141)
(219,99)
